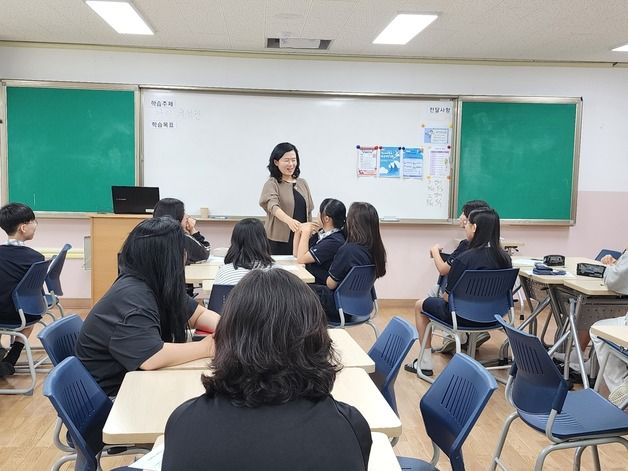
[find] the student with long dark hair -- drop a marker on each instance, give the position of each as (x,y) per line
(196,247)
(316,244)
(363,246)
(267,403)
(484,253)
(285,198)
(249,250)
(140,322)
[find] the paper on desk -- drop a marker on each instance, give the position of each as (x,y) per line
(524,262)
(289,267)
(151,461)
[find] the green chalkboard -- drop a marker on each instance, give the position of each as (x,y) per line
(66,147)
(520,157)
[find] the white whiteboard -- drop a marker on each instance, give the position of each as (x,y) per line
(210,149)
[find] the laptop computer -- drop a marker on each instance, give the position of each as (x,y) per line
(134,199)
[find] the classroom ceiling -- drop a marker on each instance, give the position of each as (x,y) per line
(528,30)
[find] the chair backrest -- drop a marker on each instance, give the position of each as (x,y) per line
(28,295)
(59,338)
(613,253)
(82,406)
(452,405)
(481,294)
(218,297)
(537,384)
(388,352)
(355,294)
(53,281)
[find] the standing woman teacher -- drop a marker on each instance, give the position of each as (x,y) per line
(286,198)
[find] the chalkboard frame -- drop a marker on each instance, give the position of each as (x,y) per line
(4,154)
(577,101)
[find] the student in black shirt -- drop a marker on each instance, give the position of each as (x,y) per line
(267,404)
(18,221)
(140,322)
(484,253)
(364,246)
(317,248)
(196,247)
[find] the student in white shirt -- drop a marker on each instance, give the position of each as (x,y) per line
(249,250)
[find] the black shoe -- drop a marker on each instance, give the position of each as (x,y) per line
(6,369)
(412,368)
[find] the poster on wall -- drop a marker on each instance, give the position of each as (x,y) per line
(367,161)
(412,163)
(390,162)
(439,162)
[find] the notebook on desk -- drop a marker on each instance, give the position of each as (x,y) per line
(134,199)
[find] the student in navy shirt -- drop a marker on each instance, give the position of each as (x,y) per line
(484,253)
(318,251)
(18,221)
(364,246)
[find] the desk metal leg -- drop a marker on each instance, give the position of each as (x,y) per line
(574,311)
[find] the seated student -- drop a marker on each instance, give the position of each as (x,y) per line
(196,247)
(443,265)
(616,371)
(317,248)
(140,322)
(484,253)
(364,246)
(249,250)
(18,221)
(267,404)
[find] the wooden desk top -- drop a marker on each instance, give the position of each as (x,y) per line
(618,334)
(147,398)
(205,272)
(382,457)
(349,352)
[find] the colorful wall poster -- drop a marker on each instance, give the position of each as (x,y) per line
(412,163)
(390,162)
(367,161)
(436,136)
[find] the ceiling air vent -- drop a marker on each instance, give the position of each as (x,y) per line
(297,43)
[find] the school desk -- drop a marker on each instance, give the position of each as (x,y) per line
(204,273)
(349,352)
(572,297)
(616,337)
(147,398)
(381,458)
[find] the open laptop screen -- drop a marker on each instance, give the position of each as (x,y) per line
(134,199)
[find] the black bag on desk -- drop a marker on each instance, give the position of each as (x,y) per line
(590,269)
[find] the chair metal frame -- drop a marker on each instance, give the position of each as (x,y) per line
(53,281)
(543,397)
(491,289)
(450,408)
(28,298)
(355,296)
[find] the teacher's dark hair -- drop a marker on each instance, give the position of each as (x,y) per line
(277,153)
(169,207)
(153,252)
(249,245)
(363,229)
(272,344)
(336,210)
(487,234)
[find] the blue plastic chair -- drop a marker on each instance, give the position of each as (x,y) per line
(28,298)
(355,298)
(218,297)
(83,407)
(59,341)
(388,352)
(450,408)
(613,253)
(53,280)
(541,397)
(477,296)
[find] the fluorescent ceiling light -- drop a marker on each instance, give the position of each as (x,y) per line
(623,48)
(403,28)
(121,16)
